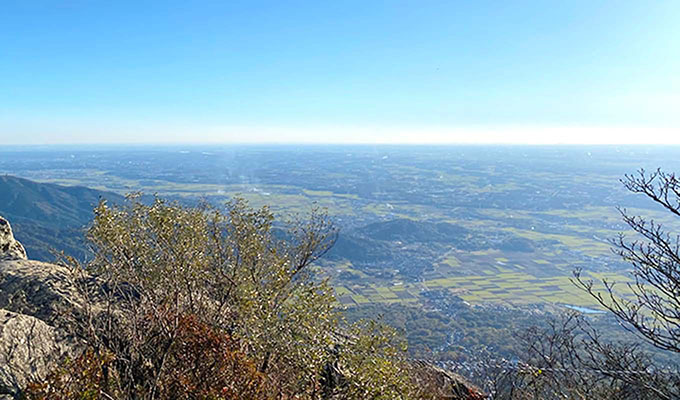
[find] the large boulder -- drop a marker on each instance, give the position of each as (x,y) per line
(10,249)
(38,289)
(29,349)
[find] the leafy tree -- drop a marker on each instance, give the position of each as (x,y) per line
(198,302)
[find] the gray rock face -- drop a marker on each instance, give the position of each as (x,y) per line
(33,296)
(10,249)
(28,350)
(38,289)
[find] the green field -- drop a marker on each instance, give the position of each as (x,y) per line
(564,238)
(512,288)
(491,277)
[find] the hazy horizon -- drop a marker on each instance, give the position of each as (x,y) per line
(497,136)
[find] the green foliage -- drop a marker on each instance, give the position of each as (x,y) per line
(196,302)
(366,372)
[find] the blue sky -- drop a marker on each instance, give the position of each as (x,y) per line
(339,71)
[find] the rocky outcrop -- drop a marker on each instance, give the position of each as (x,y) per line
(28,347)
(449,384)
(37,289)
(10,249)
(32,296)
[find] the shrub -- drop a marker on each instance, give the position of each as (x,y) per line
(196,302)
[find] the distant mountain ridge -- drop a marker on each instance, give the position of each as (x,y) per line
(49,217)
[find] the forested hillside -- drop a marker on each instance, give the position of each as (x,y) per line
(48,217)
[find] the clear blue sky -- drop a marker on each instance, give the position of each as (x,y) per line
(339,71)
